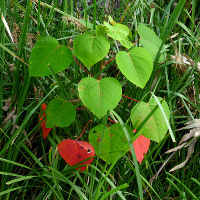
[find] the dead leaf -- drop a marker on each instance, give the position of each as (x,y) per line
(194,132)
(74,22)
(9,116)
(197,134)
(176,148)
(38,93)
(195,123)
(183,60)
(189,135)
(190,152)
(31,39)
(7,104)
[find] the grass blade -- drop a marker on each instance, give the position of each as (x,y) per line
(132,152)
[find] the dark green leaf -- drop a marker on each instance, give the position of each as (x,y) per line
(47,51)
(60,113)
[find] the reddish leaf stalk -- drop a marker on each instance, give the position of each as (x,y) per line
(130,98)
(83,129)
(112,120)
(109,61)
(75,100)
(136,40)
(83,67)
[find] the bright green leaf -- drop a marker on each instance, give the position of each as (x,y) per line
(136,65)
(91,49)
(117,31)
(109,143)
(126,43)
(59,113)
(48,52)
(99,96)
(150,41)
(111,20)
(155,128)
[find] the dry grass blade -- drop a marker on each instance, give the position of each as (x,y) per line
(8,117)
(7,104)
(195,132)
(189,135)
(190,152)
(194,125)
(176,148)
(182,60)
(163,165)
(7,27)
(191,124)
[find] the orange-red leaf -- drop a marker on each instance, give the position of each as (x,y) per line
(141,146)
(73,152)
(45,130)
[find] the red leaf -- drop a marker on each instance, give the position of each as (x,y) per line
(73,152)
(45,130)
(141,146)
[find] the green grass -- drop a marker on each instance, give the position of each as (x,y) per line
(37,171)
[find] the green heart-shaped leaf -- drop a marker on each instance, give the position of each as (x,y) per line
(99,96)
(91,49)
(59,113)
(48,52)
(150,41)
(117,31)
(110,144)
(155,128)
(136,65)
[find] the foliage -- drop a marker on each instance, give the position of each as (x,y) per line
(101,96)
(47,52)
(82,72)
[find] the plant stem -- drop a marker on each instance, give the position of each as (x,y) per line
(94,14)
